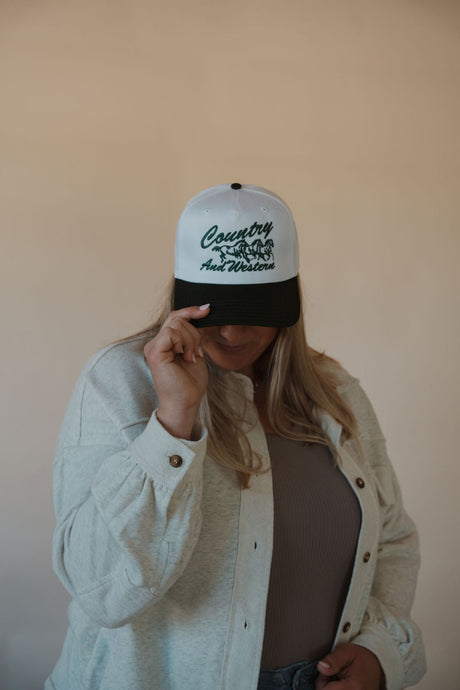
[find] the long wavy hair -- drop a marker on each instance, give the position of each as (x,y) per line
(294,378)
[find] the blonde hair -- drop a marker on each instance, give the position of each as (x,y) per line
(295,378)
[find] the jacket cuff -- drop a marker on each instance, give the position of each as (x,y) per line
(378,641)
(166,459)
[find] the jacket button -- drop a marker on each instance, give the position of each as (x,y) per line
(366,557)
(175,461)
(346,627)
(360,483)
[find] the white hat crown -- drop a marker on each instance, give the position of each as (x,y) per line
(235,234)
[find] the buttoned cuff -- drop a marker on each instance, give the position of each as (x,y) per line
(166,459)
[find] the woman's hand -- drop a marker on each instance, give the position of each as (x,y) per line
(350,667)
(176,362)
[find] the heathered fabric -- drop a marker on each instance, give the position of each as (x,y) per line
(169,566)
(317,519)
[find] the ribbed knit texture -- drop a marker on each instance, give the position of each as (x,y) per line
(317,519)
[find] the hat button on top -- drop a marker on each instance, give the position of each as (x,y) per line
(235,185)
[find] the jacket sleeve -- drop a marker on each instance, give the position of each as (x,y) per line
(387,628)
(127,519)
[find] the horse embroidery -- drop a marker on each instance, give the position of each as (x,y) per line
(256,250)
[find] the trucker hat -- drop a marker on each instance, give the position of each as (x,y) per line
(237,249)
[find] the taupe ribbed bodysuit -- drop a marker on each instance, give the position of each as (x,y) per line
(317,519)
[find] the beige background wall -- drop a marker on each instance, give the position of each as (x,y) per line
(112,115)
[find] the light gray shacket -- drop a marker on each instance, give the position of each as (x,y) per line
(169,566)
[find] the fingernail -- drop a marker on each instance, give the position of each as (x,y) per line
(324,664)
(200,351)
(203,307)
(194,358)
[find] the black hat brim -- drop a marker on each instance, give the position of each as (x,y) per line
(267,304)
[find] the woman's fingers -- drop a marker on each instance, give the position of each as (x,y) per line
(178,336)
(186,336)
(180,375)
(178,340)
(185,339)
(352,666)
(189,313)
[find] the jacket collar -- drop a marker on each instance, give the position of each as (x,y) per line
(328,424)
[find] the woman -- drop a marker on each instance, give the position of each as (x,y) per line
(227,516)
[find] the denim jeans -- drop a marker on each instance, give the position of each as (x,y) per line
(299,676)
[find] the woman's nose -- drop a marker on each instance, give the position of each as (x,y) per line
(231,333)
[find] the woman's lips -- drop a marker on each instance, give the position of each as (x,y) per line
(231,349)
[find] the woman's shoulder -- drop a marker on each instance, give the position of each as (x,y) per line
(114,390)
(117,372)
(116,358)
(352,393)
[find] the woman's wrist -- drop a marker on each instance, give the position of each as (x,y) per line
(179,425)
